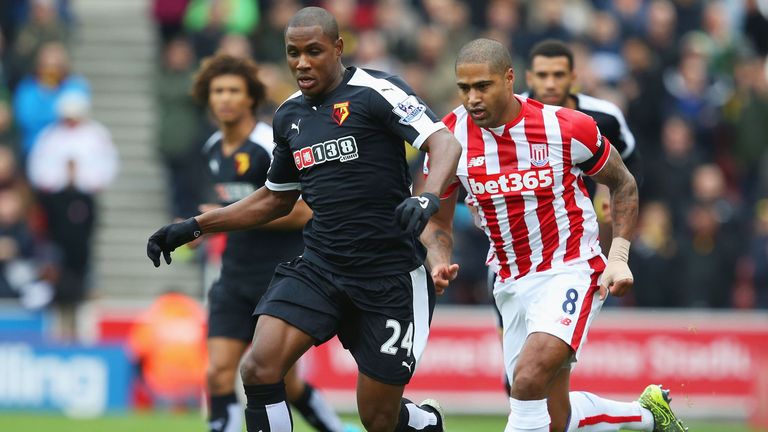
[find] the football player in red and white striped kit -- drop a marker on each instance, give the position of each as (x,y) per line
(522,166)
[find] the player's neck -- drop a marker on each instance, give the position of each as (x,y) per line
(513,110)
(234,134)
(570,102)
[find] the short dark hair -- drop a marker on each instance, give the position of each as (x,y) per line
(551,48)
(316,16)
(487,51)
(224,64)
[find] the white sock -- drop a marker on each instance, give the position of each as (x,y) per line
(235,423)
(591,413)
(418,418)
(279,417)
(527,416)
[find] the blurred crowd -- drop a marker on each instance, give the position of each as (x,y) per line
(690,75)
(54,159)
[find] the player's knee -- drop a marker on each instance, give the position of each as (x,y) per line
(257,370)
(221,378)
(528,383)
(378,419)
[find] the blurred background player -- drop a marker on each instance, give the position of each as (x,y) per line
(522,166)
(238,157)
(551,79)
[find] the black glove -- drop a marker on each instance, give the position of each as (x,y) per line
(169,237)
(414,212)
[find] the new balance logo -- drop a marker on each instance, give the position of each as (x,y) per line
(476,161)
(296,126)
(408,366)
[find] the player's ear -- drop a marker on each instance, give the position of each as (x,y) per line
(509,76)
(338,46)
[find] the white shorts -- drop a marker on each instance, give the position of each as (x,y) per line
(562,302)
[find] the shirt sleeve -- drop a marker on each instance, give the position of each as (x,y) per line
(401,111)
(283,173)
(589,149)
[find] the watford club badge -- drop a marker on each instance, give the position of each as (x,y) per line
(340,112)
(242,163)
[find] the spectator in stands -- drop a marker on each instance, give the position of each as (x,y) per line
(747,111)
(758,254)
(169,18)
(178,129)
(269,39)
(71,162)
(708,187)
(74,140)
(644,90)
(43,26)
(668,176)
(34,102)
(606,46)
(398,22)
(208,21)
(708,256)
(235,45)
(168,344)
(18,270)
(756,25)
(373,53)
(660,31)
(654,258)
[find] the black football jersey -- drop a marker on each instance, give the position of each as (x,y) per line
(346,155)
(250,254)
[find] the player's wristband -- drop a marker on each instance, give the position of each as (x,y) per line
(619,250)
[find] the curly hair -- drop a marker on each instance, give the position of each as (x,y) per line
(224,64)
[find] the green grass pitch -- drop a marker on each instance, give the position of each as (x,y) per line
(160,422)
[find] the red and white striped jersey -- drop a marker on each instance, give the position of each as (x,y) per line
(525,180)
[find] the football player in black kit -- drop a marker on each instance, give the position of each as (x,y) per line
(238,157)
(339,143)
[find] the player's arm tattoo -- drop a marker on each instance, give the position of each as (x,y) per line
(439,243)
(624,201)
(438,235)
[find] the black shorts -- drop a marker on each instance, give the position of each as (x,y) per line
(231,305)
(383,321)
